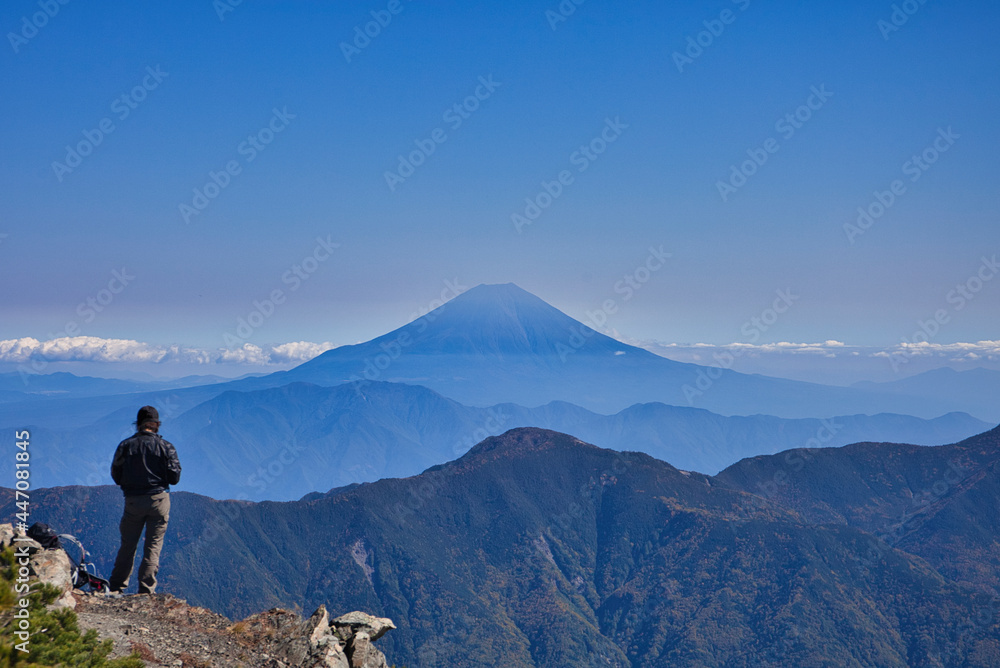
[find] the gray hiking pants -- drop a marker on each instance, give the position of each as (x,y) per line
(141,512)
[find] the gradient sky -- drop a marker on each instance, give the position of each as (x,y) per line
(323,176)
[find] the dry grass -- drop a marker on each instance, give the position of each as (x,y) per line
(189,661)
(144,651)
(239,628)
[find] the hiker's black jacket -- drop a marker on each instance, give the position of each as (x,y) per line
(145,464)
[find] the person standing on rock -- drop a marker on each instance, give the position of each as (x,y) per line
(144,466)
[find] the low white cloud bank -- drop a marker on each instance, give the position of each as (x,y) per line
(829,348)
(95,349)
(957,352)
(832,349)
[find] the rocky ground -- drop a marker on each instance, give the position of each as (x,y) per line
(166,631)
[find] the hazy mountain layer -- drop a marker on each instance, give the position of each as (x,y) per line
(976,389)
(283,442)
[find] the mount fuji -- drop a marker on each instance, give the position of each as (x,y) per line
(492,358)
(500,344)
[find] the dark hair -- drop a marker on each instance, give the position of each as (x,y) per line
(147,416)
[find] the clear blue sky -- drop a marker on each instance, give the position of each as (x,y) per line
(323,175)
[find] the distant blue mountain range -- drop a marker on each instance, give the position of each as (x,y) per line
(493,358)
(280,443)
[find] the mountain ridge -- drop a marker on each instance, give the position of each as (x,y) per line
(941,507)
(541,550)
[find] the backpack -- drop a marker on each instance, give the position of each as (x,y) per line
(83,578)
(44,535)
(84,573)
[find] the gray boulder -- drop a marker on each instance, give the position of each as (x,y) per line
(54,567)
(363,653)
(6,535)
(356,622)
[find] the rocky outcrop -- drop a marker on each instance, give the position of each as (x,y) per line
(53,567)
(167,631)
(49,566)
(292,641)
(318,642)
(6,535)
(359,630)
(360,622)
(170,630)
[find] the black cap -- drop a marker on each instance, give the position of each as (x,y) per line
(147,414)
